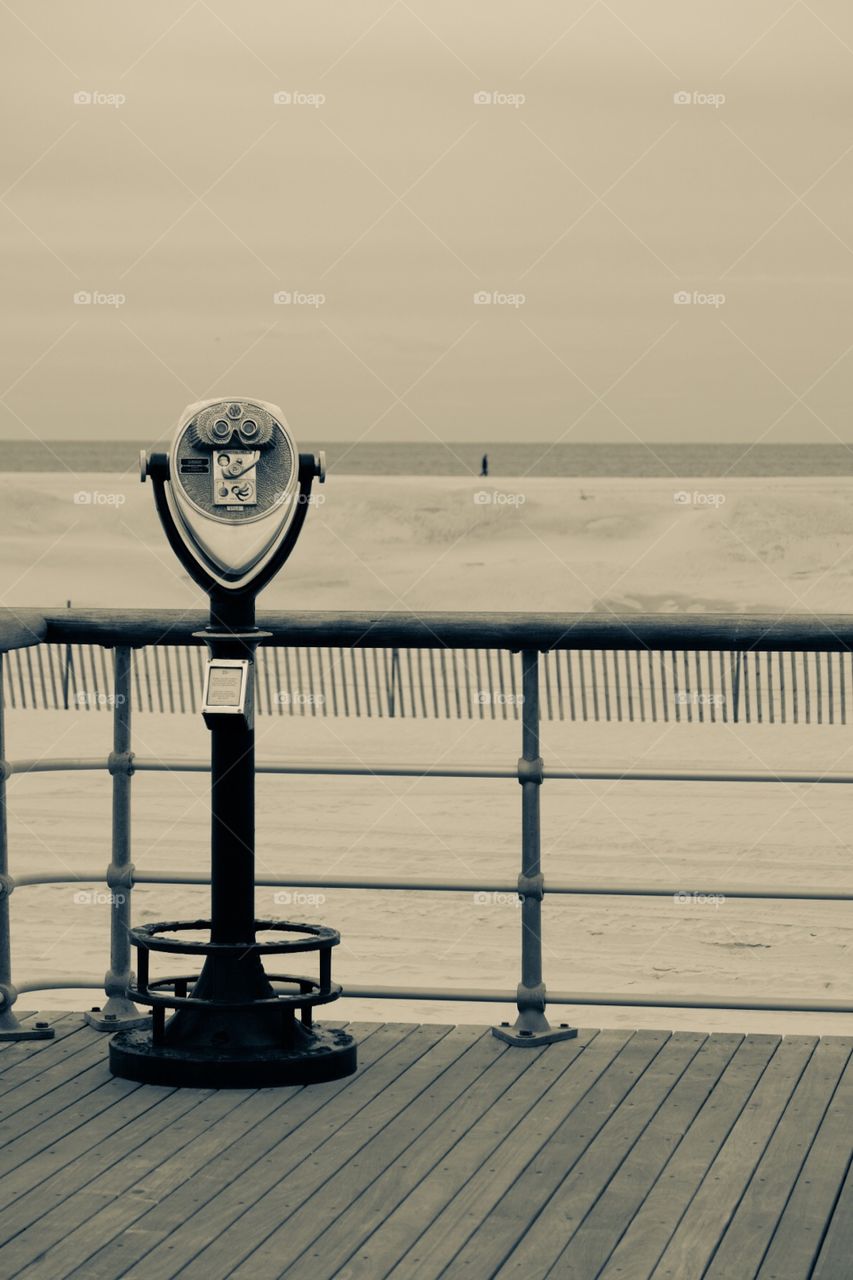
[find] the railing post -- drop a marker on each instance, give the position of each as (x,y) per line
(531,1026)
(118,1010)
(10,1027)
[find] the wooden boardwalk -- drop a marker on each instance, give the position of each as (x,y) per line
(620,1155)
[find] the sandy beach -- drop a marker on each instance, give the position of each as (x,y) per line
(445,542)
(426,543)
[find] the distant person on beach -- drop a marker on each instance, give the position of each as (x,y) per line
(484,465)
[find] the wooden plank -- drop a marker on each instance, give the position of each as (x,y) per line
(498,1232)
(646,1237)
(38,1218)
(399,1227)
(836,1251)
(698,1233)
(538,1250)
(599,1233)
(362,1193)
(755,1219)
(49,1125)
(65,1236)
(62,1023)
(93,1203)
(169,1236)
(124,1231)
(438,1241)
(799,1234)
(66,1064)
(84,1122)
(305,1171)
(78,1041)
(20,1052)
(43,1107)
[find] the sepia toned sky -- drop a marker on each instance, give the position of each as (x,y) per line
(458,222)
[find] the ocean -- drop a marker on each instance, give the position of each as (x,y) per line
(394,458)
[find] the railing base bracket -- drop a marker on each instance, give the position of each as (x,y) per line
(121,1020)
(40,1031)
(534,1039)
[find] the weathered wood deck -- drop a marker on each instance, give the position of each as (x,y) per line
(619,1154)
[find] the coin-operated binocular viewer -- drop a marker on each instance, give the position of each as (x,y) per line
(232,496)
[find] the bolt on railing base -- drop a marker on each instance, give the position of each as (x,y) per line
(118,1014)
(11,1029)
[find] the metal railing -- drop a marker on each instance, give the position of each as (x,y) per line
(529,636)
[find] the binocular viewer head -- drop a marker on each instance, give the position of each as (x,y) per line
(232,493)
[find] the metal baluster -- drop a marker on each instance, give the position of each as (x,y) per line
(10,1027)
(531,1026)
(118,1010)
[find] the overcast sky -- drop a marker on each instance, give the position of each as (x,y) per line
(383,197)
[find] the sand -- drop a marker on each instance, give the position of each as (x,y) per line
(432,543)
(569,545)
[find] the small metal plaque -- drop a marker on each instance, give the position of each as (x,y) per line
(227,689)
